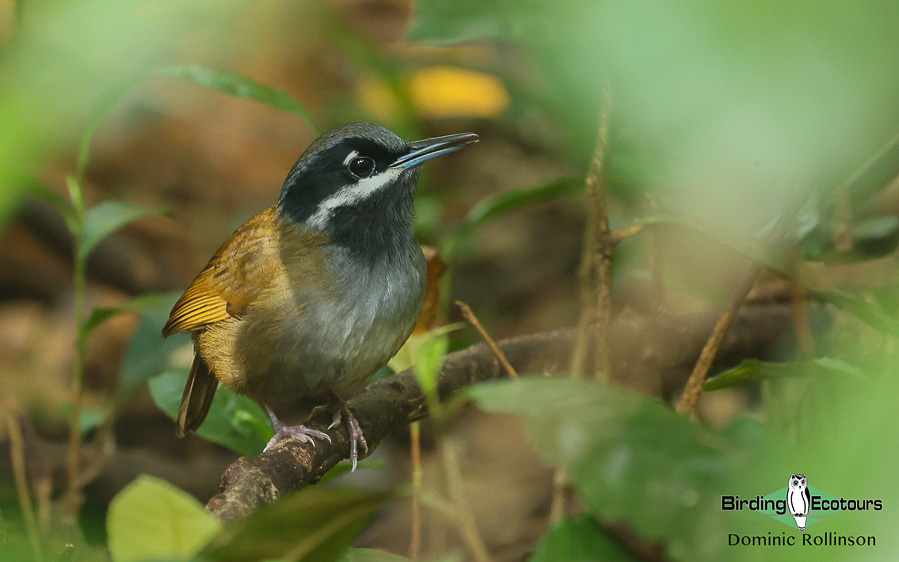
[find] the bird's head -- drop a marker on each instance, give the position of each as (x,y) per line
(358,178)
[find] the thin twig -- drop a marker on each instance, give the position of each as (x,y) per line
(73,461)
(17,452)
(586,279)
(799,306)
(561,494)
(620,234)
(464,516)
(604,247)
(473,320)
(415,441)
(693,388)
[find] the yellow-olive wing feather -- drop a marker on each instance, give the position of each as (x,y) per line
(232,279)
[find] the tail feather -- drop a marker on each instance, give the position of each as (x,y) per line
(197,397)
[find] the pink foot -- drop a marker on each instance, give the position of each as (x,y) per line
(356,436)
(300,432)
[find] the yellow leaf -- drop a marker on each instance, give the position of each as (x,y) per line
(443,91)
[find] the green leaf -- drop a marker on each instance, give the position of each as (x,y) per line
(450,22)
(369,555)
(752,370)
(580,538)
(101,108)
(150,519)
(109,216)
(91,418)
(224,81)
(148,354)
(239,86)
(321,524)
(346,467)
(137,304)
(429,352)
(634,460)
(875,228)
(15,188)
(499,204)
(237,422)
(868,311)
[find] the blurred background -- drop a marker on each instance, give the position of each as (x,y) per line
(722,117)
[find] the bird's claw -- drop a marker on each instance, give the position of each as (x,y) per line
(356,439)
(299,432)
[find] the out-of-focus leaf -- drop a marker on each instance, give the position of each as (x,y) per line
(581,538)
(868,311)
(347,467)
(498,204)
(450,22)
(750,247)
(442,91)
(137,304)
(151,519)
(323,523)
(238,86)
(109,216)
(635,460)
(237,422)
(875,228)
(90,417)
(15,188)
(101,108)
(369,555)
(148,354)
(225,81)
(428,351)
(752,370)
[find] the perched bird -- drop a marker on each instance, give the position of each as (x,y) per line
(313,295)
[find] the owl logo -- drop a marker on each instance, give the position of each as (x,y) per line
(798,499)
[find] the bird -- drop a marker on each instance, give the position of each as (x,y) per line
(313,295)
(798,498)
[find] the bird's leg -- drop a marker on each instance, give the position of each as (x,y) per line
(301,432)
(352,425)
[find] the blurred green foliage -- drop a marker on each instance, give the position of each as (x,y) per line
(634,460)
(151,519)
(579,538)
(723,110)
(322,524)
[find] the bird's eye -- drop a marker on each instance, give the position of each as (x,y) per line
(361,167)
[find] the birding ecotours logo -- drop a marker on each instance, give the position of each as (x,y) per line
(799,504)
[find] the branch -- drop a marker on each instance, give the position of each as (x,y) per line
(649,354)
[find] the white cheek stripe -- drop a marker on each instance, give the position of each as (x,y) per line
(351,195)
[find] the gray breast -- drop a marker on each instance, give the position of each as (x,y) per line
(340,337)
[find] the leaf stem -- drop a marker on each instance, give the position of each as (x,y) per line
(73,457)
(415,442)
(17,455)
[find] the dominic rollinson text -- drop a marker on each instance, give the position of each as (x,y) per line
(783,539)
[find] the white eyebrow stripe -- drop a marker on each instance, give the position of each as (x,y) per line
(350,156)
(352,194)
